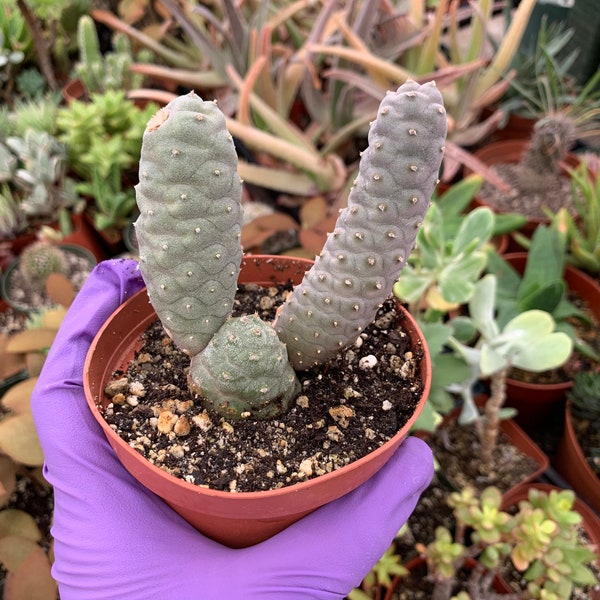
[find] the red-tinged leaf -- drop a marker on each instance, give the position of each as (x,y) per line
(32,579)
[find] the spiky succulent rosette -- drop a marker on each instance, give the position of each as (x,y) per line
(188,231)
(375,233)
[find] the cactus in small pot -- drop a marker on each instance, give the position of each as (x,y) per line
(39,260)
(189,239)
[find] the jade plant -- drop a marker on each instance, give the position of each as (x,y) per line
(188,232)
(540,539)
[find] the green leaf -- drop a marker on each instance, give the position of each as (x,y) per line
(459,196)
(450,368)
(412,285)
(463,329)
(436,335)
(544,297)
(477,225)
(491,361)
(545,260)
(482,305)
(457,280)
(531,324)
(539,352)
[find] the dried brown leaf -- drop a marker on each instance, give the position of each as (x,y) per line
(18,398)
(19,440)
(315,209)
(10,364)
(19,523)
(59,289)
(31,340)
(32,579)
(8,479)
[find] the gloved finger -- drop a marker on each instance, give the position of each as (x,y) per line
(334,548)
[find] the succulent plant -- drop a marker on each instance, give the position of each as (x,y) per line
(110,71)
(189,237)
(528,341)
(540,539)
(39,260)
(585,396)
(552,138)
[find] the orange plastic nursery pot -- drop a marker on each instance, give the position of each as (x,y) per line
(536,401)
(571,463)
(244,518)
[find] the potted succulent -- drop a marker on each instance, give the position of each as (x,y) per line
(501,546)
(540,279)
(103,137)
(197,231)
(534,169)
(97,72)
(529,341)
(45,274)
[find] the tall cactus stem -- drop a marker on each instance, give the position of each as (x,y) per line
(375,233)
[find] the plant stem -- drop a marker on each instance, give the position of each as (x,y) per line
(42,48)
(491,416)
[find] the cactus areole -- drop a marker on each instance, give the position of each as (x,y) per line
(189,196)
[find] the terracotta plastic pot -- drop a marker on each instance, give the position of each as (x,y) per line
(571,463)
(536,401)
(73,90)
(234,519)
(516,436)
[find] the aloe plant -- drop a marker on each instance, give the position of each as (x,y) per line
(189,237)
(583,229)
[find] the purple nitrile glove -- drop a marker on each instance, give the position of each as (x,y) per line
(116,540)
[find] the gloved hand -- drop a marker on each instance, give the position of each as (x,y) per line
(116,540)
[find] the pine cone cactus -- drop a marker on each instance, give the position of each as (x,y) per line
(188,231)
(375,234)
(189,196)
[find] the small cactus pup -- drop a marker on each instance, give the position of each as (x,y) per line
(189,236)
(38,261)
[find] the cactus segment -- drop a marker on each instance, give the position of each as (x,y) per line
(189,197)
(375,233)
(244,371)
